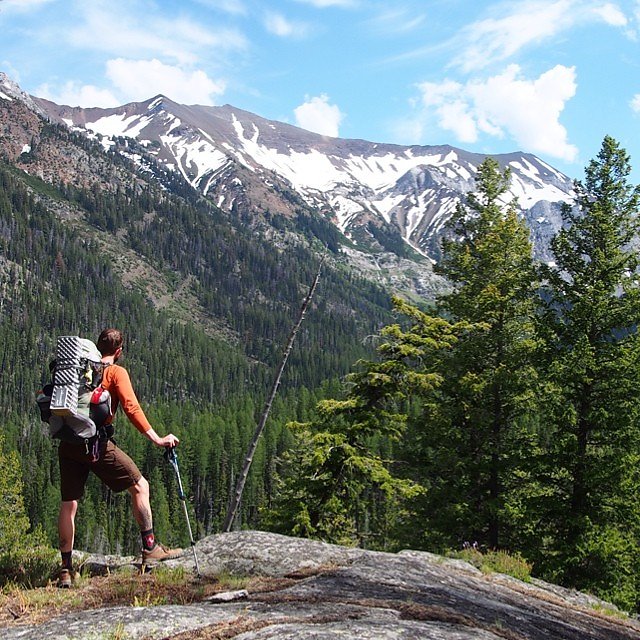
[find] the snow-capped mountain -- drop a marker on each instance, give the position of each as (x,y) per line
(368,190)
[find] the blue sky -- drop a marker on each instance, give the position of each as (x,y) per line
(550,77)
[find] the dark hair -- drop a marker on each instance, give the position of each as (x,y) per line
(110,341)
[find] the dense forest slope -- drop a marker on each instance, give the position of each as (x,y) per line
(88,240)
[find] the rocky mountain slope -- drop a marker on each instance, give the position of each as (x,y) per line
(63,195)
(380,196)
(40,142)
(317,590)
(364,188)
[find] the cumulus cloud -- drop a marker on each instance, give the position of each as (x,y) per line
(135,80)
(75,94)
(278,25)
(142,79)
(506,105)
(513,26)
(317,115)
(635,103)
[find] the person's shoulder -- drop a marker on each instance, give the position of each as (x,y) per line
(114,371)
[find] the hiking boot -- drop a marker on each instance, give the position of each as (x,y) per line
(159,553)
(64,578)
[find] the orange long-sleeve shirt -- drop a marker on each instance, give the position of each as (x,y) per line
(117,382)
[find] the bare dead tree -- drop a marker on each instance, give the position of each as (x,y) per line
(242,478)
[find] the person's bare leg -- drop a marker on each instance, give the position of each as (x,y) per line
(141,504)
(66,534)
(66,524)
(151,551)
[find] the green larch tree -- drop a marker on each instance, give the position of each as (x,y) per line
(338,486)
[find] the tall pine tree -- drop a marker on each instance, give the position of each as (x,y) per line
(591,319)
(479,440)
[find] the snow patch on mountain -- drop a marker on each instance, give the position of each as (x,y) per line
(195,158)
(354,183)
(119,125)
(530,187)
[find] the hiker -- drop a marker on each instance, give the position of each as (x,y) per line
(114,467)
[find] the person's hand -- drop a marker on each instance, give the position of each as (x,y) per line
(168,441)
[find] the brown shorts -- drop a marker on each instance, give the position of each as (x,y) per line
(115,468)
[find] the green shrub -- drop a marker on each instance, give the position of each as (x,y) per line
(511,564)
(30,567)
(605,563)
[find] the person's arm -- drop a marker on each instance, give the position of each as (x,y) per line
(168,441)
(133,410)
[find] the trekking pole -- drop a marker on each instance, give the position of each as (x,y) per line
(172,459)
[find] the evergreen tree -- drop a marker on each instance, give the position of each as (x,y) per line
(336,477)
(476,439)
(14,523)
(591,319)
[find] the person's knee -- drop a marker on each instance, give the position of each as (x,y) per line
(140,488)
(68,508)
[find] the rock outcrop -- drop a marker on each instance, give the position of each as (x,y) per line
(341,592)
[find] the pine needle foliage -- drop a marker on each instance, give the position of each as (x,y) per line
(593,366)
(340,486)
(474,438)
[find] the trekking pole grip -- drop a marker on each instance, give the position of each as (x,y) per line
(170,455)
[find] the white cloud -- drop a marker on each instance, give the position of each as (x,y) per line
(123,32)
(135,80)
(528,111)
(635,103)
(513,26)
(453,113)
(75,94)
(278,25)
(142,79)
(611,15)
(316,114)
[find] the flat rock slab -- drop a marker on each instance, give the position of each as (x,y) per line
(347,593)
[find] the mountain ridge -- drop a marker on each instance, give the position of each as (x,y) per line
(233,156)
(372,202)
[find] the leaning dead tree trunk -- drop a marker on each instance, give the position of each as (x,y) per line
(242,478)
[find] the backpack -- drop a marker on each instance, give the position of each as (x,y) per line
(74,403)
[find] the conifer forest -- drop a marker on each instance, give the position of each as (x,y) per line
(505,413)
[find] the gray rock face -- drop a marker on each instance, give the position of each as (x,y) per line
(347,593)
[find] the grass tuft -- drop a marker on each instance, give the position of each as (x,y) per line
(511,564)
